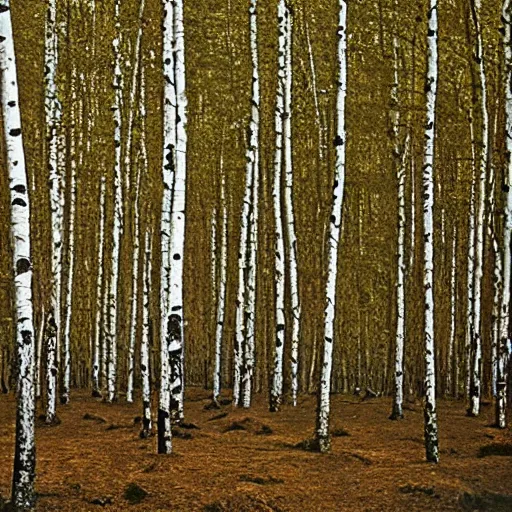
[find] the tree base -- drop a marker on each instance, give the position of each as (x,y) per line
(96,394)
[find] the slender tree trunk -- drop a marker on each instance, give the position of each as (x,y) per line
(99,294)
(502,378)
(452,348)
(168,175)
(175,322)
(431,436)
(39,356)
(23,495)
(322,427)
(476,375)
(144,347)
(221,298)
(118,213)
(277,381)
(53,117)
(399,160)
(68,299)
(471,264)
(292,251)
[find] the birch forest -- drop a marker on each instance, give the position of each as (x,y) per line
(255,255)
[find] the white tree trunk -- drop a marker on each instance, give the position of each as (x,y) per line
(292,251)
(23,495)
(501,388)
(323,409)
(168,175)
(431,436)
(252,156)
(53,118)
(99,294)
(39,355)
(277,381)
(399,161)
(176,325)
(476,375)
(144,346)
(452,348)
(221,298)
(68,298)
(118,213)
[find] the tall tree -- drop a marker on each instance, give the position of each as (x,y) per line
(23,495)
(322,422)
(118,211)
(277,381)
(253,159)
(53,121)
(431,436)
(481,90)
(502,377)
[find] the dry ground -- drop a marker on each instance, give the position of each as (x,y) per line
(246,460)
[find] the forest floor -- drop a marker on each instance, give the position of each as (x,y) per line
(247,460)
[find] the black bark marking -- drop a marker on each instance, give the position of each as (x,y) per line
(22,266)
(19,202)
(21,189)
(15,132)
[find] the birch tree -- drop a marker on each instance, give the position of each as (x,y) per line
(221,298)
(53,118)
(292,250)
(118,213)
(136,234)
(452,341)
(168,176)
(431,436)
(252,157)
(481,89)
(99,294)
(175,321)
(277,382)
(502,377)
(23,495)
(399,161)
(322,434)
(144,346)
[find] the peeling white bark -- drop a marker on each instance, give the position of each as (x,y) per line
(252,157)
(144,346)
(99,293)
(502,378)
(221,300)
(277,381)
(118,212)
(335,221)
(168,176)
(292,251)
(431,435)
(68,298)
(476,375)
(23,495)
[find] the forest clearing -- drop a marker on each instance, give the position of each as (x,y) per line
(239,460)
(255,255)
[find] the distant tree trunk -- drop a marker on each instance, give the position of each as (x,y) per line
(452,341)
(277,381)
(431,436)
(471,265)
(399,161)
(502,377)
(99,295)
(322,427)
(175,321)
(144,346)
(118,212)
(23,495)
(39,355)
(292,251)
(476,374)
(221,297)
(168,174)
(68,298)
(128,172)
(53,118)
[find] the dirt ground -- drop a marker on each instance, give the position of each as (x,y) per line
(239,460)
